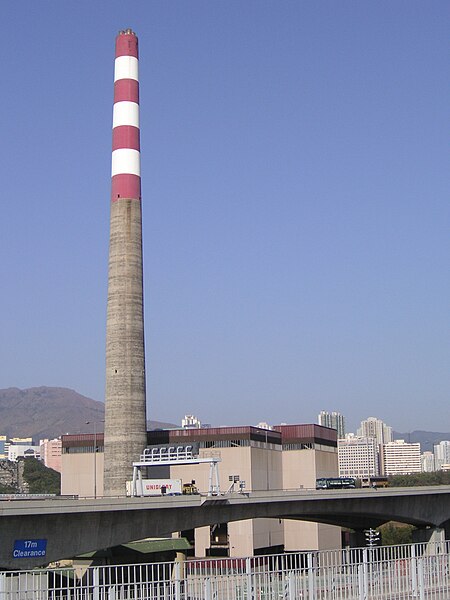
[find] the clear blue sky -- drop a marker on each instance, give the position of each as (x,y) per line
(295,198)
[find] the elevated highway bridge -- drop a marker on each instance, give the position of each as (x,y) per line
(69,527)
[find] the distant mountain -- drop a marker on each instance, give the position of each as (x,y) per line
(427,439)
(48,412)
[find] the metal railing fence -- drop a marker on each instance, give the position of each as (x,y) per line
(418,571)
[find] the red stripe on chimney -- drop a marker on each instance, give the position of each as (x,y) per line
(125,186)
(126,136)
(126,89)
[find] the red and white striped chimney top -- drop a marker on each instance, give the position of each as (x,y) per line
(126,159)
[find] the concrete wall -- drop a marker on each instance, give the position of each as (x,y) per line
(242,538)
(77,474)
(260,468)
(201,541)
(300,469)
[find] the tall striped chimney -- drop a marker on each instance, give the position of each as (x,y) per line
(125,403)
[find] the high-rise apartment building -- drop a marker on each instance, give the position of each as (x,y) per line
(334,420)
(428,463)
(375,428)
(442,454)
(401,458)
(358,457)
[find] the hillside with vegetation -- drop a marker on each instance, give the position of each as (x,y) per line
(41,479)
(28,476)
(393,534)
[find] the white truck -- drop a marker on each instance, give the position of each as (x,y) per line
(156,487)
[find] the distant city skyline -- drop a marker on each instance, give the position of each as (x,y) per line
(13,403)
(433,445)
(295,206)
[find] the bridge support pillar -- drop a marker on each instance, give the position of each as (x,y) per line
(428,534)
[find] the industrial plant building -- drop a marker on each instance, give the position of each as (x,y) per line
(287,457)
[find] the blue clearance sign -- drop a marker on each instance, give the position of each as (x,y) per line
(29,548)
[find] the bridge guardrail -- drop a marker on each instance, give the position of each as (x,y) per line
(419,571)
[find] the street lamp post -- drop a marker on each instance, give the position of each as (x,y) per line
(94,424)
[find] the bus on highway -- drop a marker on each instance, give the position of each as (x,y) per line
(335,483)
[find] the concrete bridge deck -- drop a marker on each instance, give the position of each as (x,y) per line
(67,527)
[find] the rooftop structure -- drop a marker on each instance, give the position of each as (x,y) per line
(190,422)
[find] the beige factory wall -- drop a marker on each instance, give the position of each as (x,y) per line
(301,468)
(260,468)
(241,536)
(202,535)
(77,474)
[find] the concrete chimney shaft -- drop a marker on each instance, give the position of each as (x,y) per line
(125,402)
